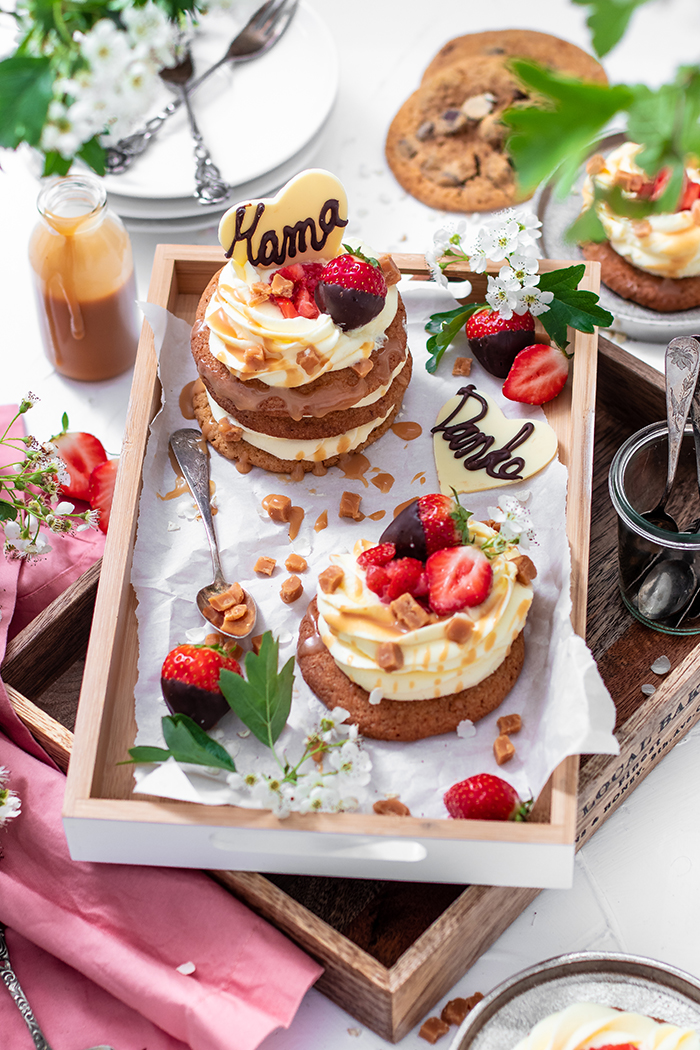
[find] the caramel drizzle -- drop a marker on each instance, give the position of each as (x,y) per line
(270,252)
(470,444)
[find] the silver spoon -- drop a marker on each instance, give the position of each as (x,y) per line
(262,31)
(682,364)
(15,989)
(194,464)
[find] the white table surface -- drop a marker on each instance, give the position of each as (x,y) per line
(637,881)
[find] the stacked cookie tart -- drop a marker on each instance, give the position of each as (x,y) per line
(422,631)
(300,340)
(446,144)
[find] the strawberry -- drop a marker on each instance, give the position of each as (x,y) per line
(485,797)
(458,577)
(301,302)
(651,189)
(101,490)
(538,374)
(495,341)
(81,453)
(405,577)
(377,579)
(377,555)
(428,524)
(352,289)
(689,194)
(189,679)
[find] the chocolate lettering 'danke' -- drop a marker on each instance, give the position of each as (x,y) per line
(468,443)
(294,238)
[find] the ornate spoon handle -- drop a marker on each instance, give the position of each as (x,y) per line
(15,989)
(119,157)
(210,187)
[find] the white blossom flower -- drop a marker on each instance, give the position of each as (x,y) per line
(351,762)
(515,520)
(10,803)
(523,266)
(105,46)
(436,273)
(316,797)
(529,230)
(503,295)
(64,507)
(499,242)
(534,300)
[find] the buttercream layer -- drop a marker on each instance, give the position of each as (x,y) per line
(665,244)
(238,322)
(586,1026)
(353,623)
(331,392)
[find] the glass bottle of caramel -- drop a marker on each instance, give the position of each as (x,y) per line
(83,268)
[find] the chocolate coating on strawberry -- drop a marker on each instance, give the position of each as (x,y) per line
(352,290)
(424,526)
(495,341)
(406,533)
(203,707)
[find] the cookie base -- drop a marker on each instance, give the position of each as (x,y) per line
(663,294)
(404,720)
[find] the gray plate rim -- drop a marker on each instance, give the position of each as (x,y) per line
(561,966)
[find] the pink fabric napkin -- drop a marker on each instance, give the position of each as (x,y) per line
(96,947)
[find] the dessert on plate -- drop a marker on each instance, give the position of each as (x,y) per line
(587,1026)
(652,260)
(300,339)
(423,630)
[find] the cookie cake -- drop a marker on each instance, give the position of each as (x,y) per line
(422,631)
(300,339)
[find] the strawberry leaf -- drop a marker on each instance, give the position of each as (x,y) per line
(187,742)
(263,701)
(608,21)
(444,327)
(460,516)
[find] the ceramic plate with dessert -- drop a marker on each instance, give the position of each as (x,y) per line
(652,265)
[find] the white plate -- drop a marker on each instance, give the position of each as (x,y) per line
(626,982)
(181,209)
(637,321)
(253,116)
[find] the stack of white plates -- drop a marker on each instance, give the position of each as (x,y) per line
(262,121)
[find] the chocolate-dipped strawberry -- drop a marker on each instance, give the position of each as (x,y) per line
(495,341)
(429,524)
(190,682)
(352,289)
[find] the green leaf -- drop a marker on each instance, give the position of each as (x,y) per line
(56,164)
(587,227)
(147,754)
(263,701)
(8,512)
(571,306)
(93,154)
(26,88)
(608,21)
(188,742)
(445,327)
(557,136)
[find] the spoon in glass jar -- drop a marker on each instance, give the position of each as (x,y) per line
(227,606)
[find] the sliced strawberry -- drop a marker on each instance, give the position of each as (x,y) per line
(379,555)
(405,576)
(458,577)
(652,189)
(538,374)
(689,194)
(377,579)
(484,797)
(287,307)
(304,302)
(101,490)
(81,453)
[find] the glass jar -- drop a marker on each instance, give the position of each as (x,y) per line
(659,570)
(83,269)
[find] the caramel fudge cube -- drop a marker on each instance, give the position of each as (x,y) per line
(433,1029)
(295,563)
(526,570)
(509,724)
(233,596)
(462,366)
(350,506)
(458,629)
(389,656)
(330,579)
(279,508)
(265,565)
(409,612)
(503,749)
(291,589)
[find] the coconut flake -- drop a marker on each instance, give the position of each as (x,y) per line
(376,696)
(648,689)
(466,729)
(662,665)
(186,968)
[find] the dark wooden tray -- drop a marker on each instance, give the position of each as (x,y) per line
(391,950)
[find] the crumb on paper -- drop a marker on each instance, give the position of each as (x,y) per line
(186,968)
(354,1031)
(172,527)
(662,665)
(466,729)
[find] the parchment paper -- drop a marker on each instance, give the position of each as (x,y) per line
(565,706)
